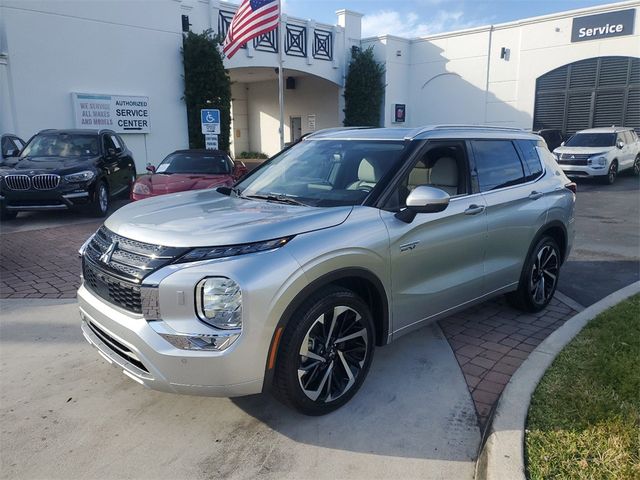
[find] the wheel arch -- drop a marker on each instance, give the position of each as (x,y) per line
(556,230)
(361,281)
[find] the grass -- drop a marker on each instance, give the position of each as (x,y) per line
(584,418)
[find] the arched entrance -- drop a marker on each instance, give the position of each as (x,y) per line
(596,92)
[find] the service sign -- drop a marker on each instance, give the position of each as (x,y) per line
(119,113)
(604,25)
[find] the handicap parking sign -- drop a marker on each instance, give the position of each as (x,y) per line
(210,120)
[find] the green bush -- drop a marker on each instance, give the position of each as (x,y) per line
(246,155)
(364,90)
(206,85)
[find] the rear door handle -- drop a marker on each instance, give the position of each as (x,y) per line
(535,195)
(474,209)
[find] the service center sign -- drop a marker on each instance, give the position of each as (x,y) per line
(115,112)
(604,25)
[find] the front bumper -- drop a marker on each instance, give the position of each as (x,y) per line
(57,199)
(130,343)
(584,171)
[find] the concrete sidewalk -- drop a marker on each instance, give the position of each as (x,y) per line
(65,413)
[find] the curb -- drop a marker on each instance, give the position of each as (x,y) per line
(502,456)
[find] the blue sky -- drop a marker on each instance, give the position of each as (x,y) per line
(411,18)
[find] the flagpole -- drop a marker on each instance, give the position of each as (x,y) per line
(281,81)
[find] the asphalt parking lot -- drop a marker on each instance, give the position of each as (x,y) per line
(65,413)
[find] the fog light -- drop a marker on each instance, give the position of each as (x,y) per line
(219,302)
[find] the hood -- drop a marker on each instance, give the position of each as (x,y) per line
(46,164)
(583,150)
(205,218)
(160,183)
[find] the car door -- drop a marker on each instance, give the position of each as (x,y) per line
(126,169)
(628,149)
(437,259)
(111,164)
(508,174)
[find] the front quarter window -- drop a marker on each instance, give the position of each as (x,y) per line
(324,173)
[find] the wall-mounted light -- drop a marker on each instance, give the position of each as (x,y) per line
(355,50)
(398,53)
(505,53)
(185,23)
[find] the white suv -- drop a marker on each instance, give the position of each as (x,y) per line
(601,153)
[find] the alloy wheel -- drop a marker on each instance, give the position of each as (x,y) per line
(613,172)
(544,274)
(332,354)
(636,166)
(103,198)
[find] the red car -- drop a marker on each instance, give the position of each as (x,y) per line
(188,170)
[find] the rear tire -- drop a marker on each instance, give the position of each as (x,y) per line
(325,352)
(635,171)
(539,277)
(100,204)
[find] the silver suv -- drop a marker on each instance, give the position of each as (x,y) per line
(341,243)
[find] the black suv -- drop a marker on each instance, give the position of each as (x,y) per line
(62,169)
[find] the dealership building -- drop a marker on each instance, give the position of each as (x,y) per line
(112,64)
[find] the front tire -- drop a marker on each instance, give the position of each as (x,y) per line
(636,166)
(100,205)
(325,352)
(539,278)
(612,174)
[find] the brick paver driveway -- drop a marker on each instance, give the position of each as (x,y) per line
(490,341)
(42,263)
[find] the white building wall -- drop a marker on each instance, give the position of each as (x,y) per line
(312,96)
(459,77)
(56,48)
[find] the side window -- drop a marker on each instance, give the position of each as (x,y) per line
(108,143)
(116,143)
(531,159)
(444,165)
(7,146)
(628,138)
(497,164)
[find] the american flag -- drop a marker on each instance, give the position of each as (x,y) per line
(253,18)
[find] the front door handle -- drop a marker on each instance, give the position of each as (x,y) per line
(535,195)
(474,209)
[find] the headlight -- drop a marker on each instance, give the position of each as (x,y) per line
(80,176)
(601,161)
(219,302)
(208,253)
(141,189)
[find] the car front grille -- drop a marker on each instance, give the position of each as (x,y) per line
(115,290)
(128,258)
(17,182)
(573,159)
(114,267)
(45,182)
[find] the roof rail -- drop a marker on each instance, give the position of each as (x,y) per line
(465,126)
(335,129)
(47,130)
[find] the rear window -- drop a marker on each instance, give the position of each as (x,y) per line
(62,145)
(530,157)
(497,164)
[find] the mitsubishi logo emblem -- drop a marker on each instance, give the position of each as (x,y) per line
(106,256)
(573,157)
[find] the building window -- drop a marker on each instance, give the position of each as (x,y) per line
(267,42)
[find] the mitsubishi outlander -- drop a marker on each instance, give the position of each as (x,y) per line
(349,239)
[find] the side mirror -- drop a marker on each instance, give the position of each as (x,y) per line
(620,144)
(151,168)
(424,199)
(562,144)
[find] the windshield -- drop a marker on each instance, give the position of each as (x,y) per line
(592,140)
(324,173)
(198,163)
(62,145)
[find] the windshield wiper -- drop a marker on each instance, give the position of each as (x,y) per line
(270,197)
